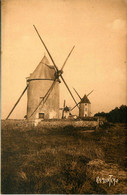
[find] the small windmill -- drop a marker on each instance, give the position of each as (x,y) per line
(65,111)
(84,105)
(36,101)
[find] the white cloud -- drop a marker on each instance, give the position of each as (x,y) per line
(118,25)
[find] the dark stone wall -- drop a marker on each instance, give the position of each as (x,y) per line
(25,124)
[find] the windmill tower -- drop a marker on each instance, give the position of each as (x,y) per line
(38,84)
(65,111)
(84,105)
(43,89)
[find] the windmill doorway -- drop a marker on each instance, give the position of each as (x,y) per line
(41,115)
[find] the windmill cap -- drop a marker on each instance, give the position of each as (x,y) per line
(46,62)
(66,109)
(85,100)
(43,70)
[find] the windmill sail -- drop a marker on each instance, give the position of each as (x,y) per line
(17,102)
(58,72)
(82,99)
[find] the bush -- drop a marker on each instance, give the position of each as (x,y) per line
(118,115)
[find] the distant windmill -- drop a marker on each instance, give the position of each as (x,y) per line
(84,105)
(41,83)
(65,110)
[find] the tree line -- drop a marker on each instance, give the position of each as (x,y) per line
(117,115)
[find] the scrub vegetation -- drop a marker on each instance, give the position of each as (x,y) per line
(117,115)
(37,160)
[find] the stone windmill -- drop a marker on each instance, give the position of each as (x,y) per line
(65,111)
(39,82)
(43,89)
(84,105)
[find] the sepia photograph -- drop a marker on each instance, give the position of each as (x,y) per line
(63,96)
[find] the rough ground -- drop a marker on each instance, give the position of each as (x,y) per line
(63,160)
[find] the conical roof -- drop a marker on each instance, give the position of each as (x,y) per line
(66,109)
(85,100)
(43,70)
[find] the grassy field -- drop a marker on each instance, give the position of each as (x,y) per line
(65,160)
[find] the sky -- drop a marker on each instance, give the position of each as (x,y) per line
(97,28)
